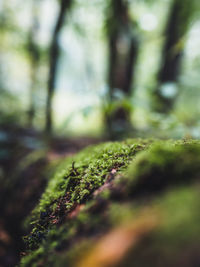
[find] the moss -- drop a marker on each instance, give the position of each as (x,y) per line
(165,164)
(76,179)
(175,241)
(85,172)
(152,195)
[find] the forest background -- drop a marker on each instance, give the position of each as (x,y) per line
(57,67)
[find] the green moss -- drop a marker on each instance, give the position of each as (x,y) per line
(86,171)
(183,226)
(155,180)
(165,164)
(175,241)
(76,179)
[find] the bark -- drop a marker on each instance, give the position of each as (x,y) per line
(53,62)
(123,50)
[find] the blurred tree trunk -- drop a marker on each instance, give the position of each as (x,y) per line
(172,55)
(34,55)
(123,51)
(53,61)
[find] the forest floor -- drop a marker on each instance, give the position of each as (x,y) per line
(128,203)
(131,203)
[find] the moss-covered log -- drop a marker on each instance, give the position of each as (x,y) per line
(134,203)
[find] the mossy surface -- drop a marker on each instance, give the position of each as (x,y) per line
(79,175)
(76,179)
(175,239)
(147,202)
(165,164)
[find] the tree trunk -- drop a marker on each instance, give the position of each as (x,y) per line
(53,63)
(34,55)
(123,50)
(176,28)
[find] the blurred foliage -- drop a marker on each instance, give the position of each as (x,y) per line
(81,88)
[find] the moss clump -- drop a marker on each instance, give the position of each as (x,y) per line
(111,201)
(164,165)
(80,175)
(75,181)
